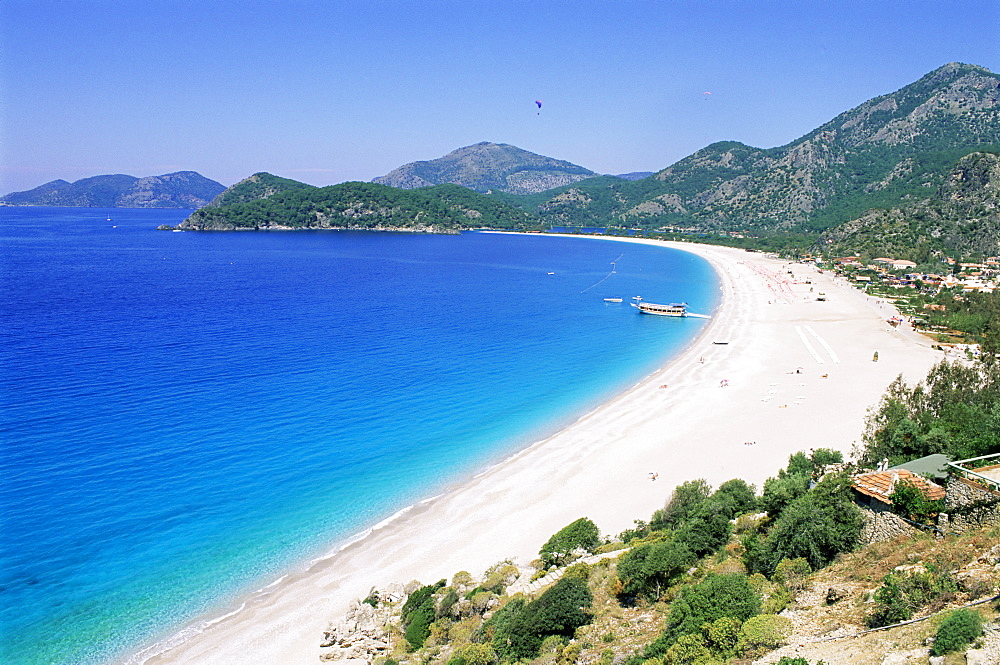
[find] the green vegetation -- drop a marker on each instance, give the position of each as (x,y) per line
(418,613)
(957,632)
(816,526)
(955,410)
(581,534)
(903,593)
(910,502)
(518,629)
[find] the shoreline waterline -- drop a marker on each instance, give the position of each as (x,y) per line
(720,391)
(150,654)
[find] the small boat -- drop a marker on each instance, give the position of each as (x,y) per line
(551,273)
(673,309)
(612,300)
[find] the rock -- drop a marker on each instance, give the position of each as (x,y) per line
(834,595)
(904,657)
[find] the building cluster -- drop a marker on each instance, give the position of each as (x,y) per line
(982,277)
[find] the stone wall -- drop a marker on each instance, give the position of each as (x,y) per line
(970,505)
(880,525)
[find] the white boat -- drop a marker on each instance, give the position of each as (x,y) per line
(612,300)
(673,309)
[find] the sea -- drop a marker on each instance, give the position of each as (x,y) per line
(184,417)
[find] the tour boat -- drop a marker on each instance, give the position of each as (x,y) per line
(673,309)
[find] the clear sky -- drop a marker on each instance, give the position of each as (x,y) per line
(326,91)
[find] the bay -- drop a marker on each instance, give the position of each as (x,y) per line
(185,416)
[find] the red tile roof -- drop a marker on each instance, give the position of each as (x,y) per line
(881,484)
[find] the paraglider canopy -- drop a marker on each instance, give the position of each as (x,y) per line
(538,103)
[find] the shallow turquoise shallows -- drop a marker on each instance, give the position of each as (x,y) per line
(187,415)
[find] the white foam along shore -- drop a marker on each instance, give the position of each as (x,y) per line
(776,371)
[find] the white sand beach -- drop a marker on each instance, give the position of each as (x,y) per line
(775,372)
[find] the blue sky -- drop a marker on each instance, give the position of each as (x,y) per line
(326,91)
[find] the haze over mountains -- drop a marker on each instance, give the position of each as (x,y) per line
(183,189)
(897,151)
(900,151)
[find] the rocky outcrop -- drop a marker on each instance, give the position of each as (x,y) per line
(364,633)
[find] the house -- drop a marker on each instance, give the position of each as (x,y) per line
(872,492)
(873,489)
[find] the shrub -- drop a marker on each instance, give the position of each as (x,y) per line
(519,628)
(902,594)
(688,650)
(910,502)
(816,526)
(647,570)
(959,630)
(478,654)
(707,530)
(683,502)
(763,633)
(792,573)
(418,613)
(735,497)
(580,571)
(721,636)
(715,597)
(581,534)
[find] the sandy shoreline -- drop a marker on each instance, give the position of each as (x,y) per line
(598,467)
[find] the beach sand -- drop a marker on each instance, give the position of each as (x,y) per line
(775,372)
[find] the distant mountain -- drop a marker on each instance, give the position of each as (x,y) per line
(184,189)
(962,218)
(635,175)
(879,154)
(488,166)
(253,205)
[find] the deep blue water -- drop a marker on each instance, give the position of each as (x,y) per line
(186,415)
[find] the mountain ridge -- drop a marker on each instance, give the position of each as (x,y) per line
(487,166)
(182,189)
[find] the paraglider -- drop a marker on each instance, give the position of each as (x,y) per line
(538,103)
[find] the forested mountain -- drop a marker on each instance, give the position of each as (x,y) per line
(488,166)
(908,151)
(257,186)
(184,189)
(352,205)
(962,218)
(888,150)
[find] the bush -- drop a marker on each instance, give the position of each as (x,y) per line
(959,630)
(910,502)
(902,594)
(478,654)
(735,497)
(721,636)
(688,650)
(707,530)
(647,570)
(715,597)
(792,573)
(418,613)
(581,534)
(817,526)
(519,628)
(763,633)
(683,503)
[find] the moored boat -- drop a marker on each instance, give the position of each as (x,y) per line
(673,309)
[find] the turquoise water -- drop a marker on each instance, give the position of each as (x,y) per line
(187,415)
